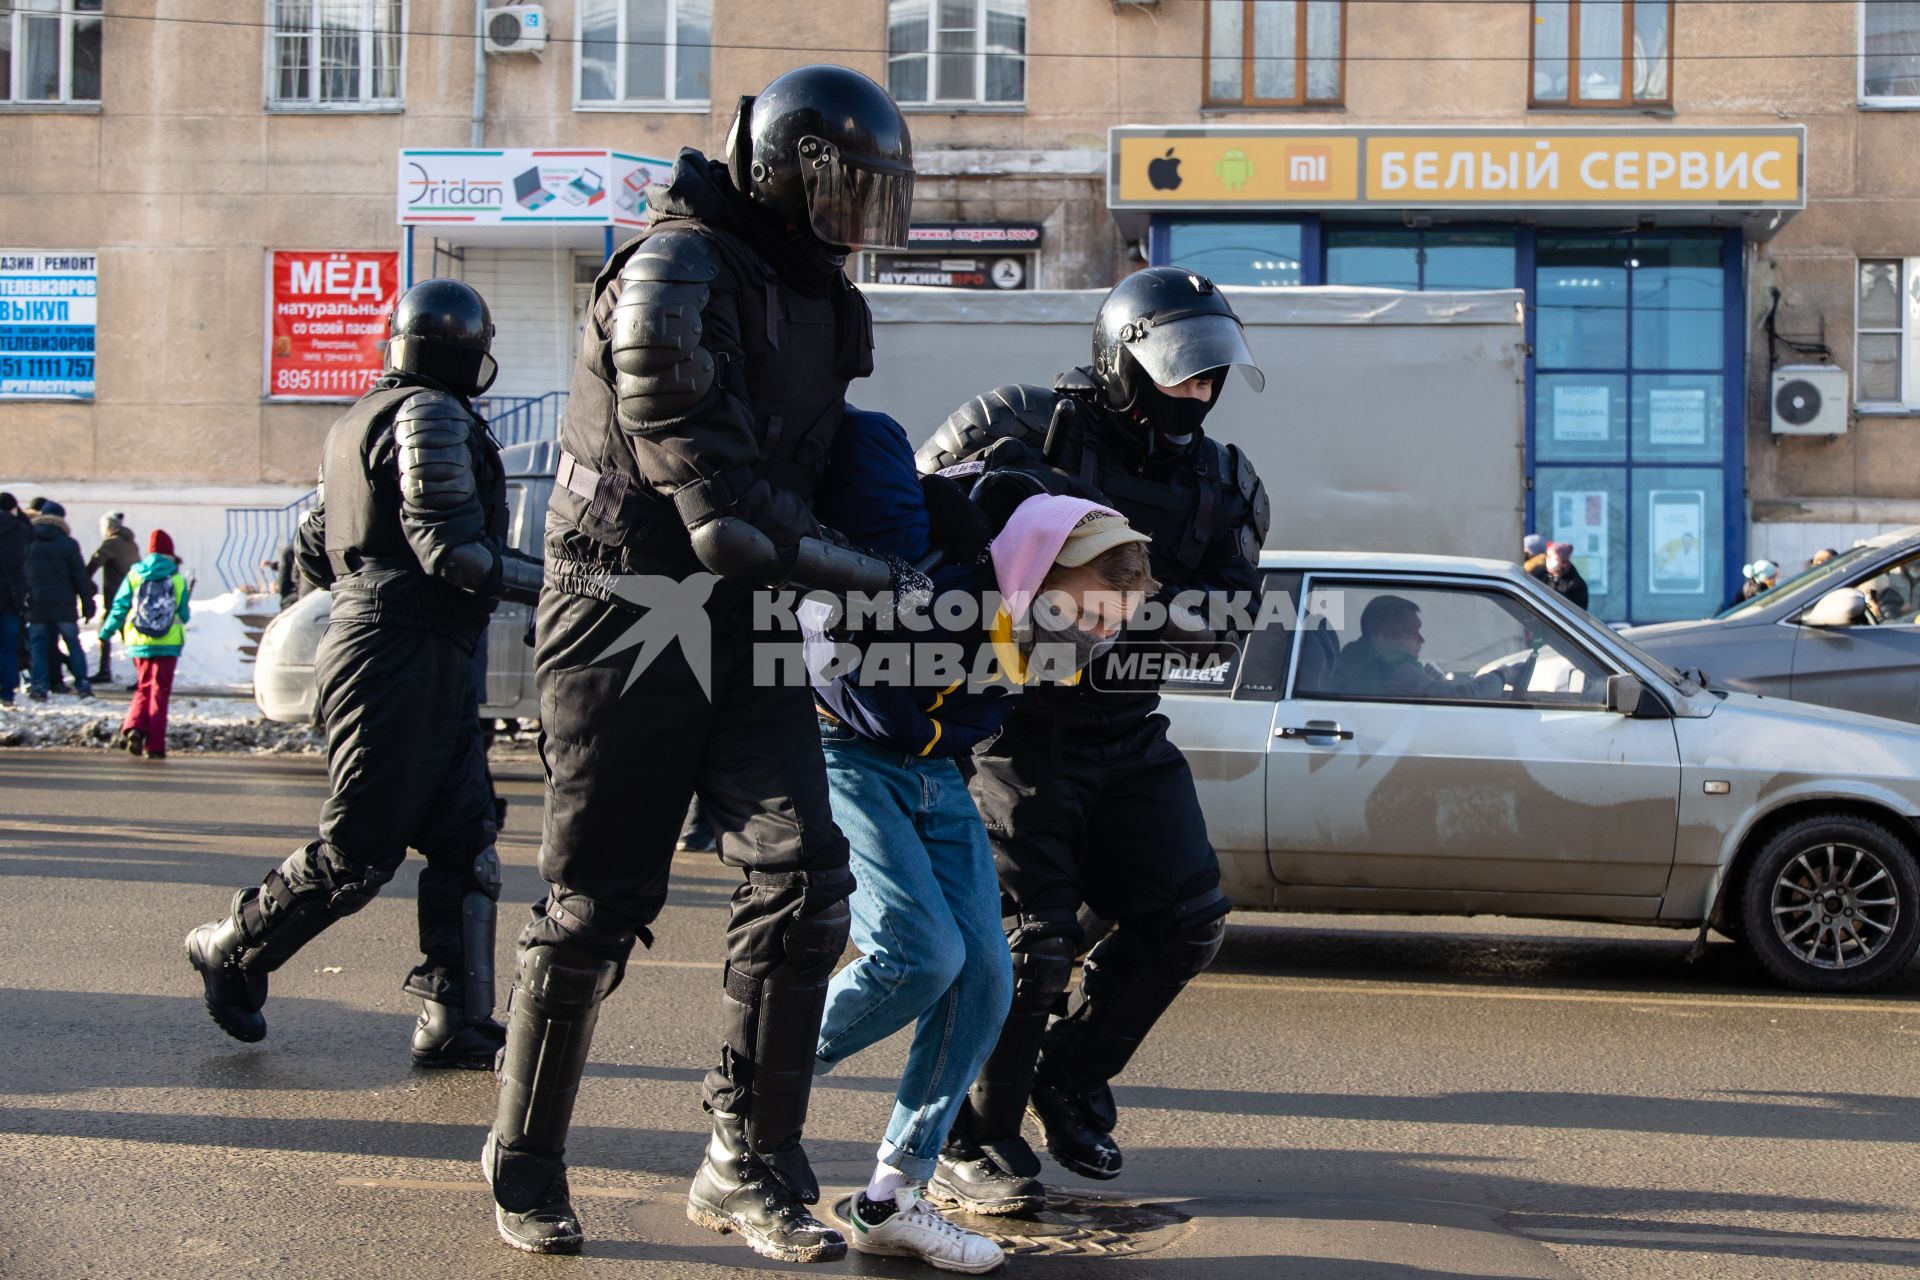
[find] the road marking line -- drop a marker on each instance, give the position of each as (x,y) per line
(429,1184)
(1411,992)
(1772,1242)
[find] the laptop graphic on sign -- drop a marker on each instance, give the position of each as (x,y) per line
(530,191)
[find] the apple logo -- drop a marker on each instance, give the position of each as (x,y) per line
(1164,174)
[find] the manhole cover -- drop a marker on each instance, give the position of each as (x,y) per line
(1094,1226)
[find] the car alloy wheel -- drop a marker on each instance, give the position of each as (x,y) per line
(1832,902)
(1835,907)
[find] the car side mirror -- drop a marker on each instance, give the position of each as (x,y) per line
(1844,607)
(1625,695)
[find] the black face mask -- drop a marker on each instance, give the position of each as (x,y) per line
(1052,635)
(1174,419)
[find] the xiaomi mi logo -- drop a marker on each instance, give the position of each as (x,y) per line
(1309,168)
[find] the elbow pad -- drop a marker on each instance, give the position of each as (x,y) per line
(472,566)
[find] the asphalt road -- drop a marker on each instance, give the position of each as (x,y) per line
(1339,1098)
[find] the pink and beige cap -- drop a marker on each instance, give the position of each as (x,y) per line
(1093,536)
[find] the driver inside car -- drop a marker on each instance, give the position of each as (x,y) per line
(1385,661)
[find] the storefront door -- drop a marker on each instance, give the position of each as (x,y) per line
(1635,436)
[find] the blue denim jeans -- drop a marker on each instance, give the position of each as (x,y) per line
(926,917)
(9,653)
(40,646)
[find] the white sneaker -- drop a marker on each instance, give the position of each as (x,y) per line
(915,1229)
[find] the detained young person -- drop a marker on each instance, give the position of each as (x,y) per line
(1059,582)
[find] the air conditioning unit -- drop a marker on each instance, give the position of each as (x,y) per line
(1809,400)
(516,28)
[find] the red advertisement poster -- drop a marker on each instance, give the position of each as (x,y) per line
(326,318)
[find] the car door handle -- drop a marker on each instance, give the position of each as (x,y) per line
(1315,729)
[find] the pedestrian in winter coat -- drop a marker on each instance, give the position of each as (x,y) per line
(1533,555)
(152,606)
(118,553)
(1562,576)
(59,595)
(16,531)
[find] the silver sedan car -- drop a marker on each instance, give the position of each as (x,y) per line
(1433,735)
(1842,634)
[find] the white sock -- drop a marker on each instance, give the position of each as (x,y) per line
(885,1181)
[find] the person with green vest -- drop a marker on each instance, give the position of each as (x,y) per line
(151,605)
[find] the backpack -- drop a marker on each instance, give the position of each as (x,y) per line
(153,606)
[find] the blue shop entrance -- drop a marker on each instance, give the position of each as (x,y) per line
(1635,442)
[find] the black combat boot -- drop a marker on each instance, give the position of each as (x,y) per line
(444,1038)
(545,1221)
(735,1190)
(994,1178)
(1079,1125)
(234,998)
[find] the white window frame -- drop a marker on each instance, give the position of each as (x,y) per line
(1909,401)
(978,101)
(672,76)
(312,105)
(17,54)
(1875,102)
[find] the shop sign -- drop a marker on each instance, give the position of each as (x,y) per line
(326,322)
(48,305)
(1570,168)
(952,273)
(522,187)
(939,235)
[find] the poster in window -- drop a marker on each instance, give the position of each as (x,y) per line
(1676,527)
(1581,413)
(1677,415)
(1580,518)
(48,305)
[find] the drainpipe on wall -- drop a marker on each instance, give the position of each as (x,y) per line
(479,74)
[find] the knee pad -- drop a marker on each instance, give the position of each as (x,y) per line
(1043,950)
(562,981)
(815,942)
(484,875)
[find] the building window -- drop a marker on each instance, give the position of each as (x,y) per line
(1890,53)
(1235,252)
(1602,53)
(49,51)
(1886,342)
(339,55)
(1393,258)
(1275,53)
(963,52)
(645,53)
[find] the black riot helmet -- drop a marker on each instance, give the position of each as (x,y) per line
(826,150)
(441,329)
(1162,326)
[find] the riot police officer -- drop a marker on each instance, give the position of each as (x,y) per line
(707,392)
(1084,797)
(410,534)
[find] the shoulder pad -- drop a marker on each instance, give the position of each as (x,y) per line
(661,368)
(1077,382)
(431,431)
(684,256)
(1254,493)
(431,418)
(1018,411)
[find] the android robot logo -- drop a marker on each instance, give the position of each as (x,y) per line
(1233,168)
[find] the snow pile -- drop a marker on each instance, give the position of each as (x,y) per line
(193,724)
(218,654)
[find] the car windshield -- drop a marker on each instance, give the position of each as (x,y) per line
(1840,564)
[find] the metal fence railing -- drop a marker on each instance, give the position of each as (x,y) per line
(256,534)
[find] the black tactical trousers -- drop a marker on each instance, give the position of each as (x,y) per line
(407,768)
(1092,812)
(629,737)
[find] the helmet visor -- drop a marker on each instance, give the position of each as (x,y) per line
(1178,346)
(852,205)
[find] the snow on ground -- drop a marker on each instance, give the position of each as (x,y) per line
(193,724)
(211,661)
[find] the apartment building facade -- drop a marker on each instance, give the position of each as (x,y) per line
(205,207)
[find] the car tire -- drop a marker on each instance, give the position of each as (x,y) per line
(1799,891)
